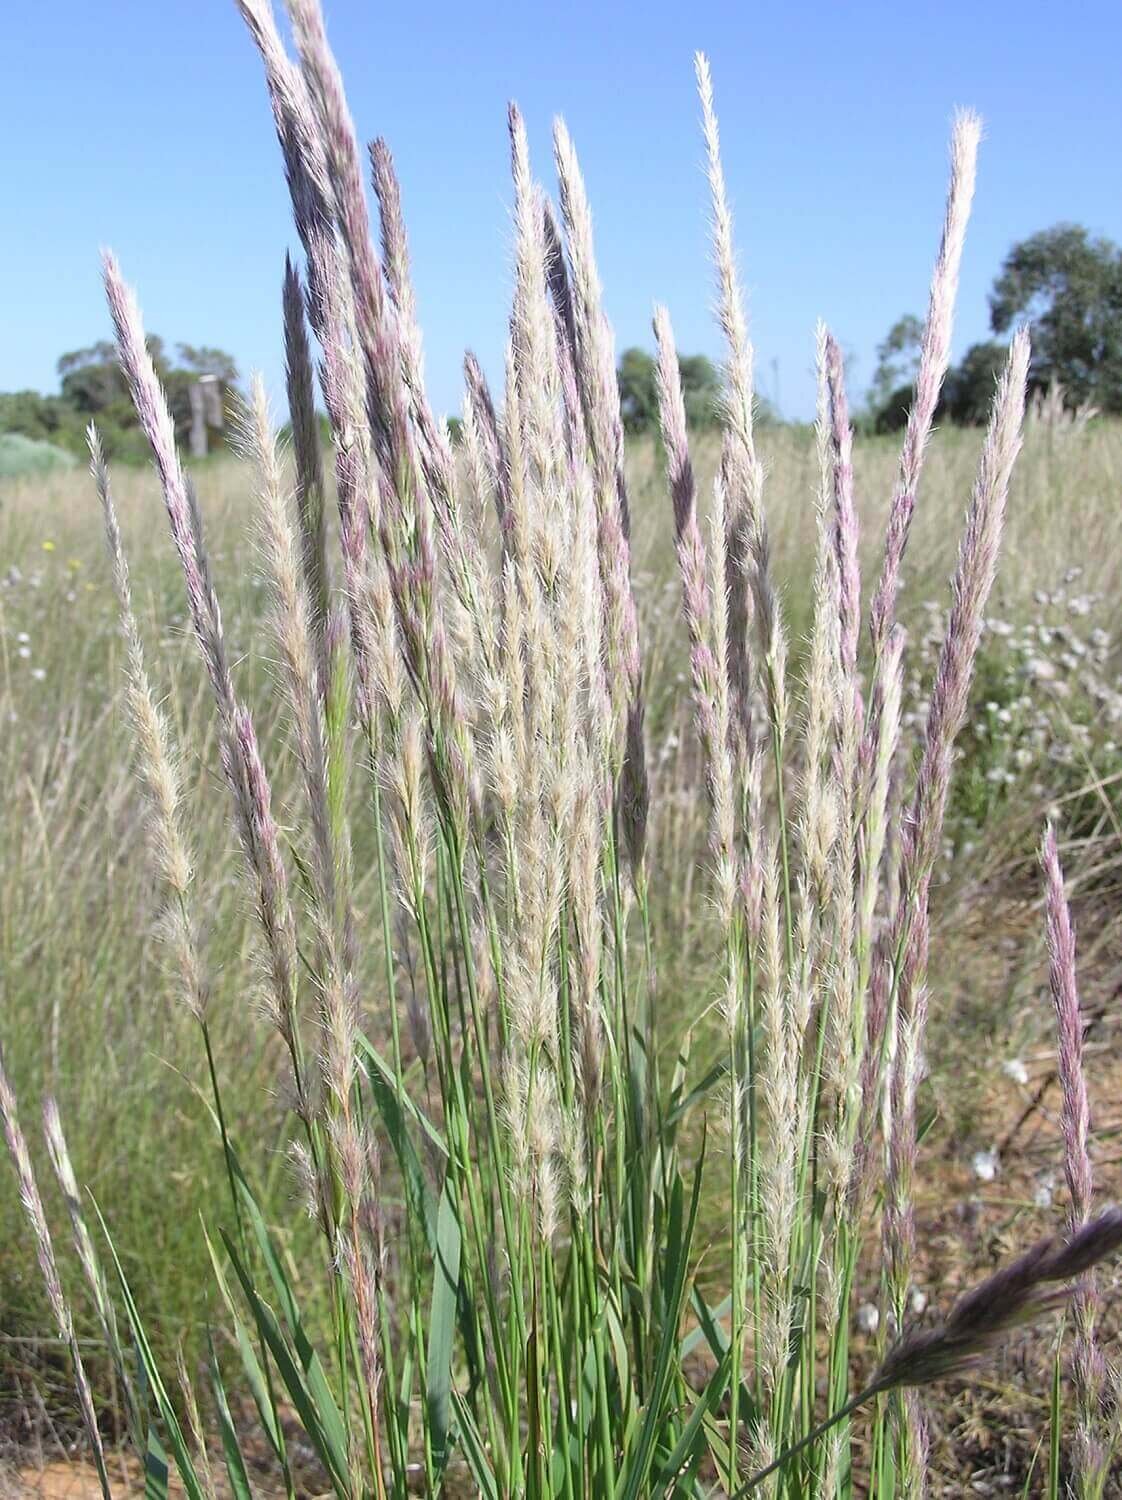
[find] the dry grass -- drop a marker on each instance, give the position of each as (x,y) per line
(84,979)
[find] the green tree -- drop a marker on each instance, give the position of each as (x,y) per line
(969,386)
(203,360)
(90,379)
(701,391)
(91,386)
(638,391)
(1068,285)
(47,419)
(897,360)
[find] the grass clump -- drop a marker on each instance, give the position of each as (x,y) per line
(455,883)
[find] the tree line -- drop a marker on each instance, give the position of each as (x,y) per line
(92,388)
(1063,281)
(1067,285)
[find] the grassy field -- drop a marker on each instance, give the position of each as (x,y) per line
(87,1006)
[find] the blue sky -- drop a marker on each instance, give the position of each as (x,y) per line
(145,126)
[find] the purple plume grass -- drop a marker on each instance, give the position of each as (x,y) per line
(377,328)
(907,953)
(747,546)
(241,757)
(560,286)
(1075,1113)
(1075,1119)
(300,387)
(934,357)
(158,764)
(977,565)
(683,492)
(595,363)
(500,697)
(395,242)
(157,425)
(435,448)
(710,691)
(48,1265)
(304,165)
(307,177)
(579,302)
(260,839)
(861,1176)
(1037,1283)
(845,511)
(395,459)
(490,434)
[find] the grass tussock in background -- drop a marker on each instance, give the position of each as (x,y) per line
(491,1005)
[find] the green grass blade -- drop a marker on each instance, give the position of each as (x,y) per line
(377,1065)
(266,1246)
(700,1091)
(709,1328)
(688,1447)
(304,1380)
(442,1323)
(475,1451)
(1055,1431)
(310,1362)
(251,1365)
(679,1236)
(155,1468)
(183,1462)
(388,1098)
(235,1464)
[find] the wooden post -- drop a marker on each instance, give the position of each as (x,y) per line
(206,411)
(198,421)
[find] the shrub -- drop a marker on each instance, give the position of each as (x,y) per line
(24,455)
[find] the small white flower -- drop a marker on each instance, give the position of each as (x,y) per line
(1015,1069)
(39,673)
(1042,1195)
(985,1165)
(868,1317)
(917,1301)
(23,637)
(24,652)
